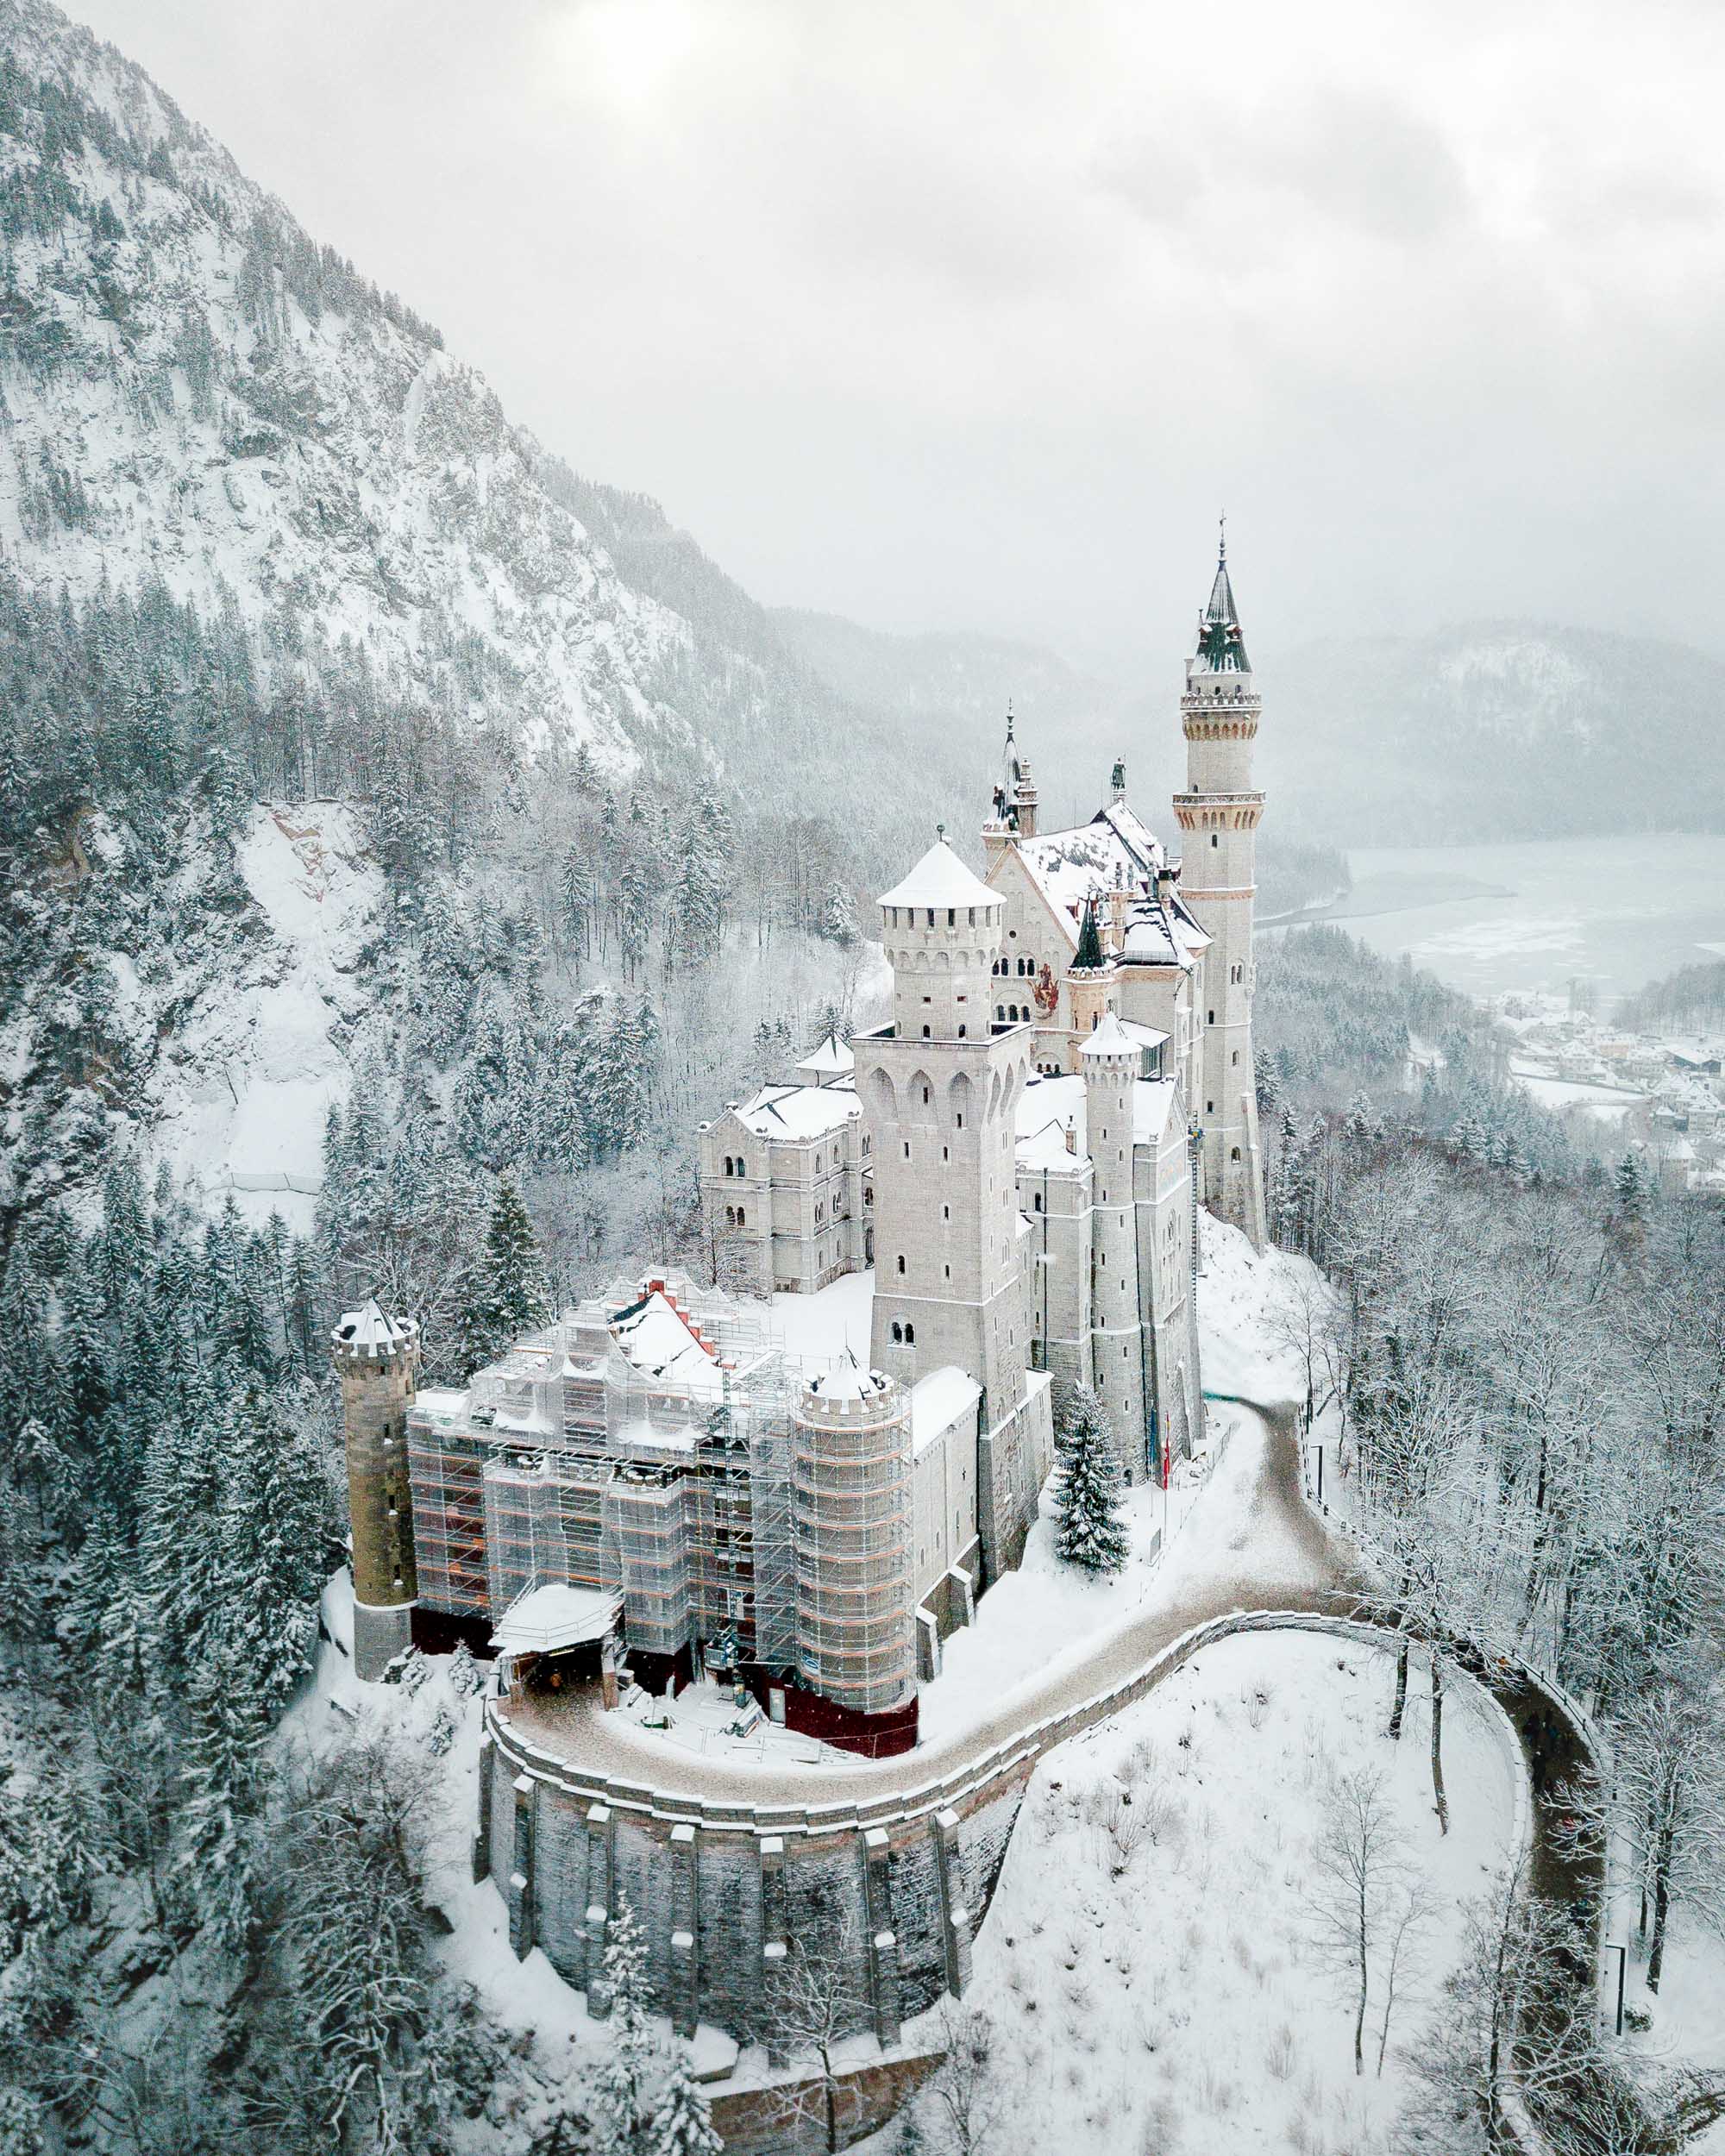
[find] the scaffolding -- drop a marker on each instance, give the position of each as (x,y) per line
(852,1534)
(654,1442)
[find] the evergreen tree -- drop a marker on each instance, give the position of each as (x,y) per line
(264,1621)
(1092,1534)
(632,2059)
(510,1295)
(682,2125)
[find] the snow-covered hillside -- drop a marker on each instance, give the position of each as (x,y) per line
(195,392)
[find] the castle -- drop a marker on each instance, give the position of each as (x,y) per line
(657,1480)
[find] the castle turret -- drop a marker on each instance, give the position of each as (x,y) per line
(850,1445)
(1219,814)
(376,1358)
(1014,807)
(1111,1062)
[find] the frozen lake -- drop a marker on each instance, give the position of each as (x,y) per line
(1537,914)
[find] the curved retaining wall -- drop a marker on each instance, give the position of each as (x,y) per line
(895,1887)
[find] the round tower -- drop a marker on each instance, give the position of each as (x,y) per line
(850,1465)
(942,930)
(376,1358)
(1219,814)
(1111,1062)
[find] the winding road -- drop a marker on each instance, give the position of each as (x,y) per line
(1280,1556)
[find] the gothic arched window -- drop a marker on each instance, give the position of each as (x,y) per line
(910,1336)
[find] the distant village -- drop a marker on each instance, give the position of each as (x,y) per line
(1661,1097)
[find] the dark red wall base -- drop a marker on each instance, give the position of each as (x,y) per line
(436,1631)
(872,1736)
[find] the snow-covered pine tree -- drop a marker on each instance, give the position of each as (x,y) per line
(633,2060)
(682,2125)
(1092,1534)
(271,1541)
(510,1294)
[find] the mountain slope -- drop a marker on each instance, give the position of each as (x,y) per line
(195,392)
(1506,730)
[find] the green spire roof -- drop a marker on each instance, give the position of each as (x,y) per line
(1090,941)
(1222,648)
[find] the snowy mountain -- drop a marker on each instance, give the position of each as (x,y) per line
(195,391)
(1505,730)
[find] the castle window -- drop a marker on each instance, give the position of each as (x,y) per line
(952,917)
(946,1212)
(907,1149)
(898,1330)
(930,910)
(731,1216)
(1236,1056)
(741,1218)
(926,1034)
(961,1119)
(925,1096)
(901,1261)
(1215,841)
(961,1031)
(999,1013)
(947,1271)
(1235,1154)
(1038,1201)
(973,917)
(910,1336)
(1213,1018)
(946,1152)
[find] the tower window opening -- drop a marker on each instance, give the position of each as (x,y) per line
(962,1032)
(925,1033)
(961,1118)
(930,910)
(907,1149)
(1235,1154)
(910,1336)
(973,917)
(1215,841)
(901,1261)
(946,1212)
(898,1330)
(946,1152)
(999,1013)
(952,917)
(1213,1018)
(742,1218)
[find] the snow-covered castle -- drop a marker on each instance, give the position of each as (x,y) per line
(1018,1155)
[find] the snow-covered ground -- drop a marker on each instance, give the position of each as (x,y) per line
(1171,1998)
(243,1096)
(1248,1308)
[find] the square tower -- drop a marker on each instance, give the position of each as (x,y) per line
(939,1089)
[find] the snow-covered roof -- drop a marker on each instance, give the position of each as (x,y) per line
(849,1380)
(1047,1149)
(1152,1101)
(1108,1037)
(828,1059)
(791,1113)
(940,878)
(1159,933)
(656,1338)
(367,1331)
(1115,851)
(548,1618)
(938,1401)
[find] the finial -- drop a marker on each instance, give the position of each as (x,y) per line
(1222,536)
(940,833)
(1009,718)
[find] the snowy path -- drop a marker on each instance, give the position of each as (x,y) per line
(1258,1546)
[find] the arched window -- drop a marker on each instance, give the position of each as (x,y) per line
(1215,841)
(1213,1018)
(731,1216)
(898,1330)
(960,1033)
(999,1013)
(910,1336)
(1235,1154)
(1236,1056)
(926,1034)
(901,1261)
(742,1218)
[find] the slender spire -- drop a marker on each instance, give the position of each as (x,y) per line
(1090,952)
(1222,648)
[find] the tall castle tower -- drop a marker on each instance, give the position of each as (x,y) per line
(1111,1062)
(377,1361)
(939,1087)
(1219,814)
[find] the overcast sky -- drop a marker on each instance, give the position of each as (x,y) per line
(975,316)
